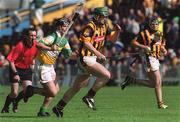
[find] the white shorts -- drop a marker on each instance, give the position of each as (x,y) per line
(44,72)
(150,63)
(89,61)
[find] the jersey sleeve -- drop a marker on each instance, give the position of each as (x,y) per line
(66,51)
(47,40)
(139,38)
(15,52)
(87,34)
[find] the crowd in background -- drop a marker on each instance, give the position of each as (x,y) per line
(132,16)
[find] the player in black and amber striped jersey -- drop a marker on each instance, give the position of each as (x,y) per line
(154,41)
(94,34)
(152,46)
(92,40)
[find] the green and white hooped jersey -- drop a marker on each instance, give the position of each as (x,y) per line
(49,57)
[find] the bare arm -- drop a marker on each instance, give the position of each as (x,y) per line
(135,43)
(44,47)
(114,34)
(90,47)
(74,56)
(12,65)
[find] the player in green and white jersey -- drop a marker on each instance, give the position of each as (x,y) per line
(49,49)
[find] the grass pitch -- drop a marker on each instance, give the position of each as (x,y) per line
(134,104)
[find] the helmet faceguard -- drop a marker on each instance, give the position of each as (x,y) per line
(154,24)
(60,23)
(100,14)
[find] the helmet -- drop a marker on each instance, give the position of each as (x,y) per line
(154,20)
(61,22)
(101,11)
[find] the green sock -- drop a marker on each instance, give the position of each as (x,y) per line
(43,109)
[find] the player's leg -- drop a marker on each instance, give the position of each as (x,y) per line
(155,76)
(103,75)
(52,90)
(131,80)
(10,97)
(69,94)
(26,80)
(49,90)
(20,96)
(31,90)
(147,66)
(43,74)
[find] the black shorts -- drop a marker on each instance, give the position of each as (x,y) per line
(24,74)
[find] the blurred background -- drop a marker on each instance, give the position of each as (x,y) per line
(131,15)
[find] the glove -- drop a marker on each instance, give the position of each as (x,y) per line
(76,15)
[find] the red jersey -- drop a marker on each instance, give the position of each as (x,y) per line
(23,56)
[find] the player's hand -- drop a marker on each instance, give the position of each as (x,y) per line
(163,51)
(32,67)
(101,58)
(54,47)
(17,78)
(147,49)
(117,27)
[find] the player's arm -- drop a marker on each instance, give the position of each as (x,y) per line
(90,47)
(163,49)
(43,47)
(46,44)
(66,51)
(137,42)
(113,35)
(15,72)
(15,54)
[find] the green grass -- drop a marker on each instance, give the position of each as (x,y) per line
(134,104)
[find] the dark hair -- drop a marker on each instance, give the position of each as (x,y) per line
(61,21)
(25,35)
(26,31)
(153,19)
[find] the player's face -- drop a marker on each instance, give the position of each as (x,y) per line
(102,19)
(154,26)
(30,38)
(62,29)
(32,35)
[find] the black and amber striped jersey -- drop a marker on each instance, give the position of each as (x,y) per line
(154,40)
(95,35)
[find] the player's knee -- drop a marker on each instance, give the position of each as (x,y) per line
(53,94)
(14,94)
(158,84)
(107,76)
(57,89)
